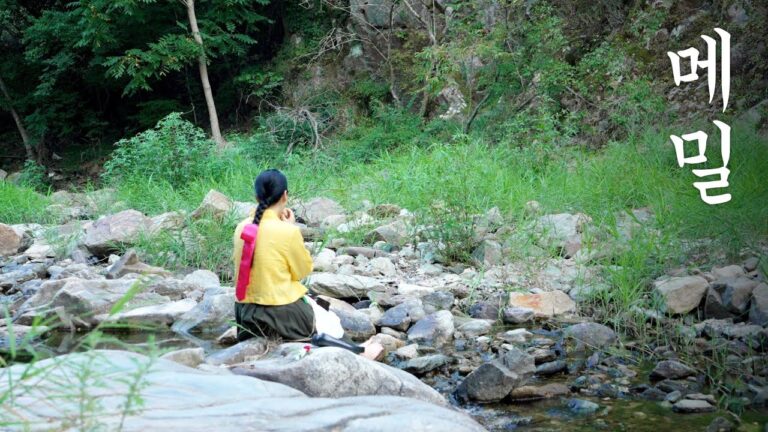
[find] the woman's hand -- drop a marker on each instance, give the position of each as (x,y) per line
(288,216)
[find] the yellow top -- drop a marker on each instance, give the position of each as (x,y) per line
(279,263)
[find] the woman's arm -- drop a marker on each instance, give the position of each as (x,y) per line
(299,259)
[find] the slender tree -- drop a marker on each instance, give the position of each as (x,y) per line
(17,119)
(203,66)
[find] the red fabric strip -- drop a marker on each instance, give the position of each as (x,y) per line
(249,234)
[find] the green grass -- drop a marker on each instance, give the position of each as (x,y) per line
(19,204)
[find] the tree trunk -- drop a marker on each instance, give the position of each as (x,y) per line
(17,119)
(214,118)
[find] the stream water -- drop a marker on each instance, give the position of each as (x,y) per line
(539,416)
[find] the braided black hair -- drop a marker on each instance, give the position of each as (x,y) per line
(269,187)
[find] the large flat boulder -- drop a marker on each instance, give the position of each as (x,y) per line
(335,372)
(176,397)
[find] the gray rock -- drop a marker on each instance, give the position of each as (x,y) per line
(203,279)
(324,261)
(84,303)
(11,240)
(721,424)
(437,301)
(516,336)
(671,369)
(316,210)
(176,397)
(551,368)
(357,325)
(561,232)
(401,316)
(517,315)
(424,364)
(212,315)
(488,253)
(343,286)
(394,233)
(682,294)
(689,406)
(434,330)
(108,232)
(735,293)
(160,315)
(129,263)
(491,382)
(714,306)
(215,204)
(252,349)
(730,271)
(531,393)
(191,357)
(519,362)
(335,372)
(170,221)
(591,335)
(475,327)
(751,265)
(581,406)
(758,311)
(485,310)
(382,266)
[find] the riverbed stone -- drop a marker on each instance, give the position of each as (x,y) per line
(544,305)
(436,301)
(582,406)
(212,315)
(11,240)
(382,266)
(690,406)
(730,271)
(758,311)
(394,233)
(682,294)
(343,286)
(517,315)
(107,233)
(401,316)
(159,315)
(318,209)
(422,365)
(488,310)
(551,368)
(475,327)
(491,382)
(591,335)
(181,398)
(357,325)
(335,372)
(671,369)
(530,393)
(434,330)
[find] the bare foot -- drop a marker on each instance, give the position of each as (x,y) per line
(373,351)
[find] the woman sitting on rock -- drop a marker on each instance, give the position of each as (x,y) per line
(269,252)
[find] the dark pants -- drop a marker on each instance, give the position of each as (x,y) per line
(294,321)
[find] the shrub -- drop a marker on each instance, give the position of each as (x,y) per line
(174,151)
(33,176)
